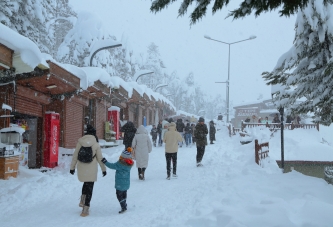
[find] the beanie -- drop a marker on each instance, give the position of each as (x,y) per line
(201,119)
(91,130)
(127,153)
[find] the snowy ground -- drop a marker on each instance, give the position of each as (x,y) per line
(229,191)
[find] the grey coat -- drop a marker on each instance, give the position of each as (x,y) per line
(142,147)
(87,172)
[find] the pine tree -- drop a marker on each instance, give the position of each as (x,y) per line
(246,7)
(304,74)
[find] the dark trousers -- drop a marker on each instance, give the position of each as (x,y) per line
(122,196)
(87,189)
(160,138)
(127,145)
(173,157)
(200,153)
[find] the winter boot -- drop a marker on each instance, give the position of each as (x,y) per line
(85,211)
(168,176)
(143,173)
(123,206)
(140,173)
(82,200)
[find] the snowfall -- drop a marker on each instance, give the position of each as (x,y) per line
(230,190)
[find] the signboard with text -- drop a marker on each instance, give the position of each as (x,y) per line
(246,112)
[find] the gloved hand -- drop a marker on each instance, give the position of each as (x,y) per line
(104,173)
(72,171)
(104,160)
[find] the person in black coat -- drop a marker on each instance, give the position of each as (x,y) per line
(129,133)
(159,132)
(212,132)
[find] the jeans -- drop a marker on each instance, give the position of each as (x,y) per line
(188,139)
(160,138)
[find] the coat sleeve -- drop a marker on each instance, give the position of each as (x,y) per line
(149,144)
(74,158)
(99,158)
(180,138)
(112,165)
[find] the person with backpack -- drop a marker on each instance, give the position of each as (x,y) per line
(188,134)
(86,156)
(142,147)
(122,179)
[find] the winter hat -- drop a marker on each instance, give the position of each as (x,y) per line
(127,153)
(91,130)
(201,119)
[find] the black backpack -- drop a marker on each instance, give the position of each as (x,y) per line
(85,155)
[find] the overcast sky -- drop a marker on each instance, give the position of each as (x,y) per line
(184,48)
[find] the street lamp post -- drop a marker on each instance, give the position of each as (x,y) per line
(142,73)
(105,45)
(228,81)
(159,86)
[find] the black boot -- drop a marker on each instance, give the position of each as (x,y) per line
(123,206)
(143,173)
(140,173)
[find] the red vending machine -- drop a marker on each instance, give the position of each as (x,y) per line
(113,117)
(51,141)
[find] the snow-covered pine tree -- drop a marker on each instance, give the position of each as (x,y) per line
(305,72)
(75,49)
(154,63)
(28,17)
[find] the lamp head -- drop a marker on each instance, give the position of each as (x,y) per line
(252,37)
(207,37)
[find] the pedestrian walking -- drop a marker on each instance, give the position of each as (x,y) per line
(212,132)
(201,132)
(122,176)
(188,134)
(193,131)
(141,148)
(159,132)
(129,133)
(85,157)
(171,139)
(153,133)
(180,126)
(165,125)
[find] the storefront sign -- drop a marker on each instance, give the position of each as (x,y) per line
(248,112)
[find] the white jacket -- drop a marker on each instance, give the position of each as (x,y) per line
(142,147)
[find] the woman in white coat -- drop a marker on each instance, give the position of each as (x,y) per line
(142,147)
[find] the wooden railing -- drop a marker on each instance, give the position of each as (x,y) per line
(274,126)
(260,153)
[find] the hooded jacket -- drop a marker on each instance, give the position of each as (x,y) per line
(142,147)
(171,139)
(87,172)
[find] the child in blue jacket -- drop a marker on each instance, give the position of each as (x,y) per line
(122,180)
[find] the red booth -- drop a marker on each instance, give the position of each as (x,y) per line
(51,141)
(113,117)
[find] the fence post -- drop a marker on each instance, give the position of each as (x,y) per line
(256,151)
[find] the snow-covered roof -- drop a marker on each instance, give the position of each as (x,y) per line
(27,55)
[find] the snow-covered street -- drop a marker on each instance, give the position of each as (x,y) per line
(229,190)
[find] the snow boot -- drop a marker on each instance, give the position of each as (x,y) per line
(143,173)
(174,175)
(85,211)
(199,164)
(82,200)
(140,174)
(123,207)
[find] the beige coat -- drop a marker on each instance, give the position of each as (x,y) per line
(142,147)
(87,172)
(171,139)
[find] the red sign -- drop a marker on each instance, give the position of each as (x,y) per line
(51,142)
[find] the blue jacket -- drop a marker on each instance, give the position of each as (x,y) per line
(122,179)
